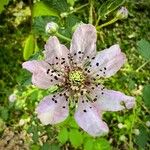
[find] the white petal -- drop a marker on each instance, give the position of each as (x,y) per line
(109,100)
(43,75)
(108,62)
(53,109)
(89,119)
(56,53)
(83,42)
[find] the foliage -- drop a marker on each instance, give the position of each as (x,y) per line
(23,37)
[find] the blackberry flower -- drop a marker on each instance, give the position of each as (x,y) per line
(76,72)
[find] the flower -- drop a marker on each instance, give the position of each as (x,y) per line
(76,73)
(122,13)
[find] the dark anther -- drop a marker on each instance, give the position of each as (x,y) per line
(55,101)
(56,57)
(54,95)
(63,107)
(60,94)
(90,107)
(95,99)
(79,52)
(93,57)
(48,71)
(104,68)
(55,77)
(97,64)
(82,101)
(81,92)
(102,93)
(87,57)
(76,101)
(63,58)
(57,63)
(63,62)
(75,54)
(104,72)
(88,71)
(100,70)
(84,110)
(51,80)
(93,88)
(85,69)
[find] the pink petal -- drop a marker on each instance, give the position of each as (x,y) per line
(109,100)
(53,109)
(56,53)
(83,42)
(89,119)
(108,62)
(43,75)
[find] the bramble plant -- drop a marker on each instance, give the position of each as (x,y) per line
(62,58)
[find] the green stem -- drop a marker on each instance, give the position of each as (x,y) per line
(91,12)
(97,21)
(142,65)
(107,23)
(63,37)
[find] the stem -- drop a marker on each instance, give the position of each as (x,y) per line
(142,65)
(97,21)
(63,37)
(107,23)
(90,12)
(82,6)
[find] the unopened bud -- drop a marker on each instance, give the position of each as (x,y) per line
(122,13)
(12,97)
(136,131)
(148,123)
(64,14)
(51,27)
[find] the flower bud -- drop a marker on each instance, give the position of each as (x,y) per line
(12,97)
(64,14)
(122,13)
(136,131)
(148,123)
(51,27)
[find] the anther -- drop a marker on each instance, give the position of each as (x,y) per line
(84,110)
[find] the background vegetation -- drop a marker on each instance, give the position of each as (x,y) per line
(22,37)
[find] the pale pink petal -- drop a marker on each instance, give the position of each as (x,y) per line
(56,53)
(107,62)
(89,119)
(109,100)
(83,43)
(43,75)
(53,109)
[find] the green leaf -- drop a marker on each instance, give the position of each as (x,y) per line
(63,136)
(109,6)
(146,95)
(144,48)
(88,144)
(42,9)
(102,144)
(2,4)
(29,47)
(142,139)
(47,146)
(75,138)
(71,2)
(4,113)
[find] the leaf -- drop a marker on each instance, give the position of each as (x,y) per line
(75,138)
(42,9)
(71,2)
(102,144)
(142,139)
(47,146)
(146,95)
(63,136)
(88,144)
(144,48)
(29,47)
(4,113)
(109,6)
(2,4)
(59,5)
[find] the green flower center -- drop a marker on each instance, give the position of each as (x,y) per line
(76,77)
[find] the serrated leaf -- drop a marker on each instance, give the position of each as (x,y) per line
(142,139)
(75,138)
(102,144)
(47,146)
(88,144)
(42,9)
(29,47)
(146,95)
(63,135)
(144,48)
(109,6)
(2,4)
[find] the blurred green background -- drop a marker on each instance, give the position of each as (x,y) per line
(22,37)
